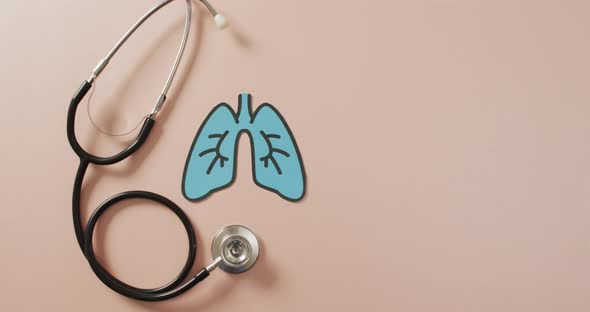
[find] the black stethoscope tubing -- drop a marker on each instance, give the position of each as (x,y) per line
(85,238)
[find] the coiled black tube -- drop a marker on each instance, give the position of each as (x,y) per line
(170,290)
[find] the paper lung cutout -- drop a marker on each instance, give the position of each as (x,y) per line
(276,161)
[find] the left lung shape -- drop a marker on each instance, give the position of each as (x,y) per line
(276,161)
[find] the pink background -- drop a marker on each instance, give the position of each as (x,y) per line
(445,142)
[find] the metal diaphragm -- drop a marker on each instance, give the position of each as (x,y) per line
(238,248)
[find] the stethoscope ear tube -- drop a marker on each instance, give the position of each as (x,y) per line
(81,93)
(148,124)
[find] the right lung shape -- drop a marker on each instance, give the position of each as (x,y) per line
(276,161)
(211,162)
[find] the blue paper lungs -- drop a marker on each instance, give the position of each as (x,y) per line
(276,161)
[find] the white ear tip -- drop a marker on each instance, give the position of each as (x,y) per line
(221,21)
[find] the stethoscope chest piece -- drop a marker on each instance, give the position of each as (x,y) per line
(237,247)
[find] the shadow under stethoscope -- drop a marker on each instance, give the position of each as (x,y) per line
(262,275)
(263,272)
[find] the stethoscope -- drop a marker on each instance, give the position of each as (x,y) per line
(234,249)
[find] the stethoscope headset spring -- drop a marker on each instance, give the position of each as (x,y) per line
(231,243)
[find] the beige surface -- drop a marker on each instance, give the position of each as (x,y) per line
(445,142)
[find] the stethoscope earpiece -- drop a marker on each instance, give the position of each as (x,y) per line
(234,249)
(221,21)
